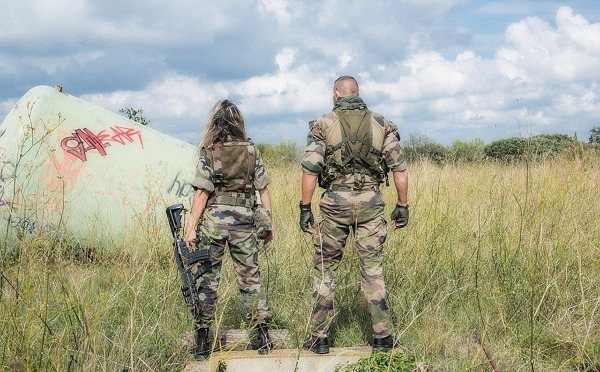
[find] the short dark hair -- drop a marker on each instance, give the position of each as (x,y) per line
(344,77)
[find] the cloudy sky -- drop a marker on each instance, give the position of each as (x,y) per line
(450,69)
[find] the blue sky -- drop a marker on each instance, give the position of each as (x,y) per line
(449,69)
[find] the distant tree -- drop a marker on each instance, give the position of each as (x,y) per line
(288,152)
(506,149)
(420,146)
(545,145)
(284,153)
(595,135)
(135,115)
(267,152)
(471,151)
(538,147)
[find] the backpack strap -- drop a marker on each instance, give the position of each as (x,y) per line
(217,164)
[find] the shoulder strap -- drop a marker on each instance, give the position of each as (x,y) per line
(217,162)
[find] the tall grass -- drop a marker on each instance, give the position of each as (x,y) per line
(510,253)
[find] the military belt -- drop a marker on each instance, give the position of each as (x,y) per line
(235,199)
(353,189)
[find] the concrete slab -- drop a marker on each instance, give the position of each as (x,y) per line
(239,339)
(280,360)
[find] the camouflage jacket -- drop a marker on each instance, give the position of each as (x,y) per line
(221,214)
(324,133)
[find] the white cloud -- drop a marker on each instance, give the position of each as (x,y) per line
(65,15)
(285,58)
(578,29)
(279,9)
(6,106)
(430,8)
(550,71)
(51,64)
(172,98)
(568,53)
(292,91)
(277,60)
(344,59)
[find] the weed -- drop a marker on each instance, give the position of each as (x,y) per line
(507,252)
(381,362)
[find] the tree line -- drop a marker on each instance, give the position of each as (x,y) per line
(514,149)
(419,147)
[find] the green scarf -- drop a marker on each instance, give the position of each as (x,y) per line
(350,103)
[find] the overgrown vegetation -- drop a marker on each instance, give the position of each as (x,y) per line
(284,153)
(134,114)
(507,251)
(533,148)
(381,362)
(595,136)
(421,147)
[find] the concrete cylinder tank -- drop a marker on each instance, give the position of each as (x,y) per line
(72,170)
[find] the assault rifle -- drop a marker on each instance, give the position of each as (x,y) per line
(186,259)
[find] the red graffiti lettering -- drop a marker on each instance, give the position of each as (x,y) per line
(122,134)
(82,141)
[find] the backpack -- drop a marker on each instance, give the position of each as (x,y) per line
(354,147)
(233,173)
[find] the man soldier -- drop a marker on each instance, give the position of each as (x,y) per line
(349,154)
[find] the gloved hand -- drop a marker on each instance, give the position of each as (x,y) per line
(306,217)
(400,216)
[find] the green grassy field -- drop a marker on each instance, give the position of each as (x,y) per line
(509,253)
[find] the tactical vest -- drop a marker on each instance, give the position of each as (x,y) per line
(354,146)
(233,174)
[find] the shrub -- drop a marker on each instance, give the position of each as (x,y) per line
(380,361)
(505,149)
(470,151)
(538,147)
(420,147)
(595,135)
(267,152)
(287,152)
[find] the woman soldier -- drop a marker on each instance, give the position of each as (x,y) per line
(230,171)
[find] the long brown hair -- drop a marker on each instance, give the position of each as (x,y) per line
(225,122)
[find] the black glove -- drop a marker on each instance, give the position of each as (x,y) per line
(400,216)
(306,217)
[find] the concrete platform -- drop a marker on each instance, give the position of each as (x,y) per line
(239,339)
(280,360)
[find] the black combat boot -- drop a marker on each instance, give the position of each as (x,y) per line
(265,345)
(316,345)
(385,344)
(202,349)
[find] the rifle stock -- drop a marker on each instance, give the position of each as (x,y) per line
(186,259)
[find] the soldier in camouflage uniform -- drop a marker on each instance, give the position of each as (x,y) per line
(230,171)
(349,154)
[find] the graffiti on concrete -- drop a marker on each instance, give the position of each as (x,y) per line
(30,226)
(180,187)
(83,140)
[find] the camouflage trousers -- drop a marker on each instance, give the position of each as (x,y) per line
(243,249)
(341,212)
